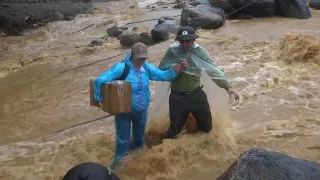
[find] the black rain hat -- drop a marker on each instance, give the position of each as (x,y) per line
(186,33)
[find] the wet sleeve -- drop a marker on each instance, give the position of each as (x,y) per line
(161,75)
(167,61)
(113,73)
(214,71)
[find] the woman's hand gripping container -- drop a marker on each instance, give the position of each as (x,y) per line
(116,95)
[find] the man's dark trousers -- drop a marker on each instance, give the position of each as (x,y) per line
(181,104)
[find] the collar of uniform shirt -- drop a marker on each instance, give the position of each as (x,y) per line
(194,46)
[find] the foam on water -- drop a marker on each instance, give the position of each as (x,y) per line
(294,90)
(145,3)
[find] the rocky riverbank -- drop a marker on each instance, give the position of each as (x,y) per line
(17,16)
(204,14)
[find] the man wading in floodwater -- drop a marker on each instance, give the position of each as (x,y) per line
(186,91)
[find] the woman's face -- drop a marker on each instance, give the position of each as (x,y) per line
(138,63)
(187,45)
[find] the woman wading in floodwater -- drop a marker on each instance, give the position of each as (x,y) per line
(135,70)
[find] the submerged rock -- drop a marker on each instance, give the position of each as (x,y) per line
(115,31)
(97,42)
(267,165)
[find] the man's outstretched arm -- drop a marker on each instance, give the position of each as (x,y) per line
(217,74)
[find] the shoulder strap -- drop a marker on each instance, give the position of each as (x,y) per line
(125,71)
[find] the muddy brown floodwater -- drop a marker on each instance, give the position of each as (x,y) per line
(274,63)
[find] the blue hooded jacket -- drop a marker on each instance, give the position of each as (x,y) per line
(139,80)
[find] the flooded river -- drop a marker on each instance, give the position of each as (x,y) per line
(274,63)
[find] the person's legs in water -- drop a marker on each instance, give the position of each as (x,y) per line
(139,120)
(179,111)
(200,109)
(181,105)
(123,127)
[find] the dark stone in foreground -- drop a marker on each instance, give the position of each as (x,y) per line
(88,171)
(259,164)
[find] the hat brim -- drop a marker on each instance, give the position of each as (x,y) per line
(187,37)
(139,56)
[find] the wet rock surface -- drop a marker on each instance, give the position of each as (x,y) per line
(199,17)
(165,26)
(268,165)
(115,31)
(264,8)
(17,16)
(315,4)
(128,38)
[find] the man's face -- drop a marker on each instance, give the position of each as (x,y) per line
(187,45)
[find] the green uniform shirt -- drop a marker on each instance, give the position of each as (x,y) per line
(198,60)
(187,83)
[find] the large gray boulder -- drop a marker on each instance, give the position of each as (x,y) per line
(315,4)
(224,4)
(264,8)
(213,9)
(165,26)
(293,8)
(261,8)
(267,165)
(128,38)
(199,17)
